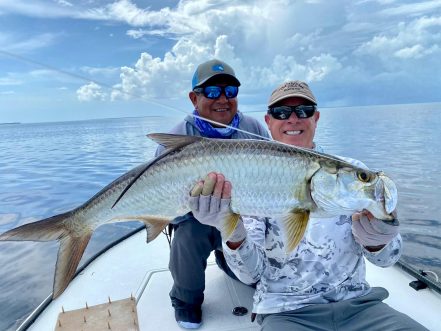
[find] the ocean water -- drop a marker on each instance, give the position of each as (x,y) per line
(49,168)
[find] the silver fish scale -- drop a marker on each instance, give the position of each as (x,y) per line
(266,181)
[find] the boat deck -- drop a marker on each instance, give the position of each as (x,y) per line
(142,271)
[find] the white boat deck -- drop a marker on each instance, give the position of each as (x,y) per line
(141,270)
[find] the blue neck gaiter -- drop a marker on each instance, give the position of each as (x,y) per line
(207,130)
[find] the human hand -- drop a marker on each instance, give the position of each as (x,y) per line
(210,204)
(373,233)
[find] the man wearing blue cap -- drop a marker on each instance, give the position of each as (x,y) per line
(214,97)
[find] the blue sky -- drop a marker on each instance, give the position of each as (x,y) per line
(136,58)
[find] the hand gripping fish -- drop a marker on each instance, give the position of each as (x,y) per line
(268,178)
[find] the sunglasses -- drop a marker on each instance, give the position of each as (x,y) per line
(284,112)
(214,92)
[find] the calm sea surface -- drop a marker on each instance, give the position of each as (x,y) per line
(49,168)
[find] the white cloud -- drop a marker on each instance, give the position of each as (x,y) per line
(90,92)
(337,45)
(64,3)
(416,39)
(247,46)
(17,44)
(412,9)
(9,81)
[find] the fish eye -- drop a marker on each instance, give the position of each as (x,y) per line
(363,176)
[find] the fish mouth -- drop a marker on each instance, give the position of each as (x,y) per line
(386,194)
(387,191)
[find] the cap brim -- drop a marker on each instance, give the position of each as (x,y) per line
(225,78)
(293,95)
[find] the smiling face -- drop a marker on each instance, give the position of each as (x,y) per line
(293,131)
(221,110)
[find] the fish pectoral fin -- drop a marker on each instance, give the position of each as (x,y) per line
(69,255)
(229,224)
(154,225)
(295,225)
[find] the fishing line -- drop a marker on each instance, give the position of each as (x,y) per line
(87,79)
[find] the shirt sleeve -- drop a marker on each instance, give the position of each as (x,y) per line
(388,255)
(248,261)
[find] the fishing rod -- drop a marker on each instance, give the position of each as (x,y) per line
(103,84)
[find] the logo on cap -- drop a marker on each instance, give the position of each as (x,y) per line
(218,67)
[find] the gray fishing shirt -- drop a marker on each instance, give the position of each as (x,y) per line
(246,123)
(187,127)
(327,266)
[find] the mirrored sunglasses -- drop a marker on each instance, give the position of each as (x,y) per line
(284,112)
(214,92)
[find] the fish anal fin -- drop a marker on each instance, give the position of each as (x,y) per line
(69,255)
(173,141)
(295,225)
(230,224)
(154,225)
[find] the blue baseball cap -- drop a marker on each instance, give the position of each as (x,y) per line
(213,68)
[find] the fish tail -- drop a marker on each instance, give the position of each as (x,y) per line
(69,255)
(51,228)
(72,245)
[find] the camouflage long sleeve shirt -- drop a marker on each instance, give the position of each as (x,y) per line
(326,266)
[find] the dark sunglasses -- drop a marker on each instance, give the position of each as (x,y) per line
(214,92)
(284,112)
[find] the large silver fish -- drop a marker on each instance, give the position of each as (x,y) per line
(268,179)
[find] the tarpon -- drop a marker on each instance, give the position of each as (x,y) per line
(269,179)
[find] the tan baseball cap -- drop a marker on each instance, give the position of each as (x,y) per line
(293,88)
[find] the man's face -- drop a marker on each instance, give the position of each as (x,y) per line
(293,131)
(221,110)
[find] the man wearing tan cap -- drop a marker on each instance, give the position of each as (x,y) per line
(214,97)
(321,284)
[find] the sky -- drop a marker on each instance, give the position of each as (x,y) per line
(63,60)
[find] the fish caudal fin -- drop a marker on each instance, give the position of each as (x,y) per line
(71,246)
(295,226)
(69,255)
(51,228)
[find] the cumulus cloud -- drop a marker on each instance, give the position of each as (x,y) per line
(90,92)
(416,39)
(336,46)
(248,46)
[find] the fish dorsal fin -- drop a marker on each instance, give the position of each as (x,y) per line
(173,141)
(295,225)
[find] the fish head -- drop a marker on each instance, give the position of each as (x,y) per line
(346,190)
